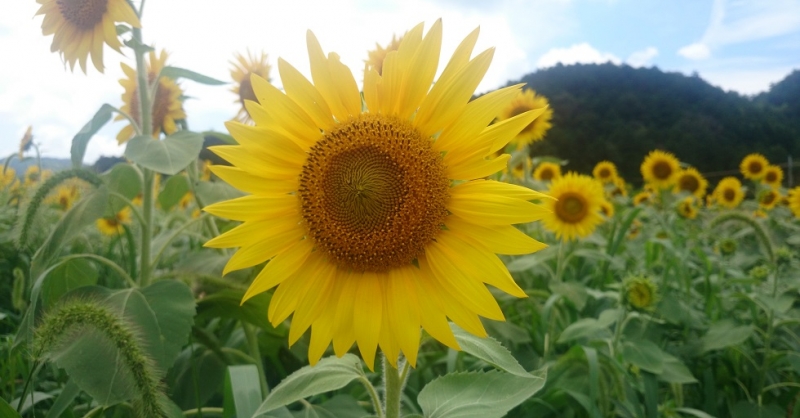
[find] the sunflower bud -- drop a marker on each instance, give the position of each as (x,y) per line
(640,293)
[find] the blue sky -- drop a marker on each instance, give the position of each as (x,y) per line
(739,45)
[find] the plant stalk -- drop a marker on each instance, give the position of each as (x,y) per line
(393,384)
(255,352)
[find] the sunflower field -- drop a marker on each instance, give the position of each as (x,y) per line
(329,255)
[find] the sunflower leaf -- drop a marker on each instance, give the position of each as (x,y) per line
(176,73)
(81,139)
(489,350)
(167,156)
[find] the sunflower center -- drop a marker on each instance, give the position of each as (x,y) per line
(771,177)
(246,90)
(689,183)
(572,207)
(84,14)
(662,170)
(755,167)
(605,173)
(639,296)
(729,195)
(160,109)
(546,174)
(768,198)
(373,193)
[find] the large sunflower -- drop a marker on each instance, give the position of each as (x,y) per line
(547,171)
(575,212)
(81,27)
(241,71)
(167,105)
(794,201)
(754,166)
(605,171)
(773,176)
(373,213)
(660,169)
(729,192)
(690,180)
(525,101)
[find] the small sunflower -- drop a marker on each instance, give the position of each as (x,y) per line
(729,192)
(660,169)
(373,210)
(186,200)
(690,180)
(81,27)
(754,166)
(26,142)
(518,171)
(525,101)
(8,177)
(768,199)
(113,225)
(34,176)
(607,209)
(241,71)
(167,104)
(793,199)
(619,188)
(64,197)
(773,176)
(378,55)
(687,208)
(640,293)
(575,212)
(642,197)
(605,171)
(547,171)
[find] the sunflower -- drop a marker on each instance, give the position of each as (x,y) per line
(690,180)
(26,142)
(373,213)
(34,176)
(619,188)
(113,225)
(640,293)
(186,200)
(729,192)
(773,176)
(687,208)
(607,209)
(793,198)
(605,171)
(754,166)
(64,197)
(167,105)
(642,198)
(241,71)
(547,171)
(660,169)
(575,212)
(8,177)
(525,101)
(81,27)
(767,199)
(378,55)
(518,171)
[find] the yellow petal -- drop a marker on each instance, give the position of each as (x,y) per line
(252,208)
(501,133)
(402,310)
(323,81)
(250,183)
(446,303)
(500,239)
(279,269)
(367,311)
(291,290)
(421,69)
(251,231)
(476,169)
(299,89)
(313,304)
(343,334)
(257,163)
(491,209)
(263,250)
(284,111)
(269,143)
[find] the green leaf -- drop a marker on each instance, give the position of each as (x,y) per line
(725,333)
(176,73)
(32,399)
(197,375)
(73,274)
(693,412)
(527,262)
(227,304)
(212,192)
(167,156)
(62,402)
(574,292)
(488,350)
(329,374)
(675,371)
(242,391)
(476,395)
(745,409)
(81,139)
(644,354)
(584,328)
(7,411)
(124,179)
(174,190)
(173,305)
(122,29)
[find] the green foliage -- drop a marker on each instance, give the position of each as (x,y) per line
(167,156)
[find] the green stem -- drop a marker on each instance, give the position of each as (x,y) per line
(560,260)
(768,339)
(373,395)
(393,384)
(255,352)
(621,322)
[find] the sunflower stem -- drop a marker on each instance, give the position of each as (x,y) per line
(255,352)
(145,113)
(393,385)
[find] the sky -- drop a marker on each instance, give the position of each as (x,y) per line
(738,45)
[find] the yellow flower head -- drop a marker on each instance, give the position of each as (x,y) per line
(607,209)
(34,176)
(660,169)
(729,192)
(26,142)
(374,212)
(81,27)
(605,171)
(518,171)
(640,293)
(767,199)
(690,180)
(773,176)
(186,200)
(754,166)
(167,104)
(576,210)
(113,226)
(241,71)
(793,199)
(547,171)
(65,197)
(619,188)
(8,177)
(687,208)
(525,101)
(378,55)
(642,197)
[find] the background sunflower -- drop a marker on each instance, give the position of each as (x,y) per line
(690,180)
(605,171)
(660,169)
(547,171)
(754,166)
(241,70)
(729,193)
(575,210)
(527,100)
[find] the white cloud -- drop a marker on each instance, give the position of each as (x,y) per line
(695,51)
(745,81)
(643,57)
(582,53)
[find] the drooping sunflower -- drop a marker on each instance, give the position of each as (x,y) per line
(373,213)
(241,71)
(605,171)
(525,101)
(690,180)
(26,142)
(687,208)
(754,166)
(575,212)
(660,169)
(81,27)
(547,171)
(642,197)
(113,225)
(793,198)
(729,193)
(167,104)
(376,56)
(773,176)
(768,199)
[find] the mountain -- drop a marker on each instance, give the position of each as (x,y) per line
(620,113)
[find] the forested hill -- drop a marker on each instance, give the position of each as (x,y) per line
(620,113)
